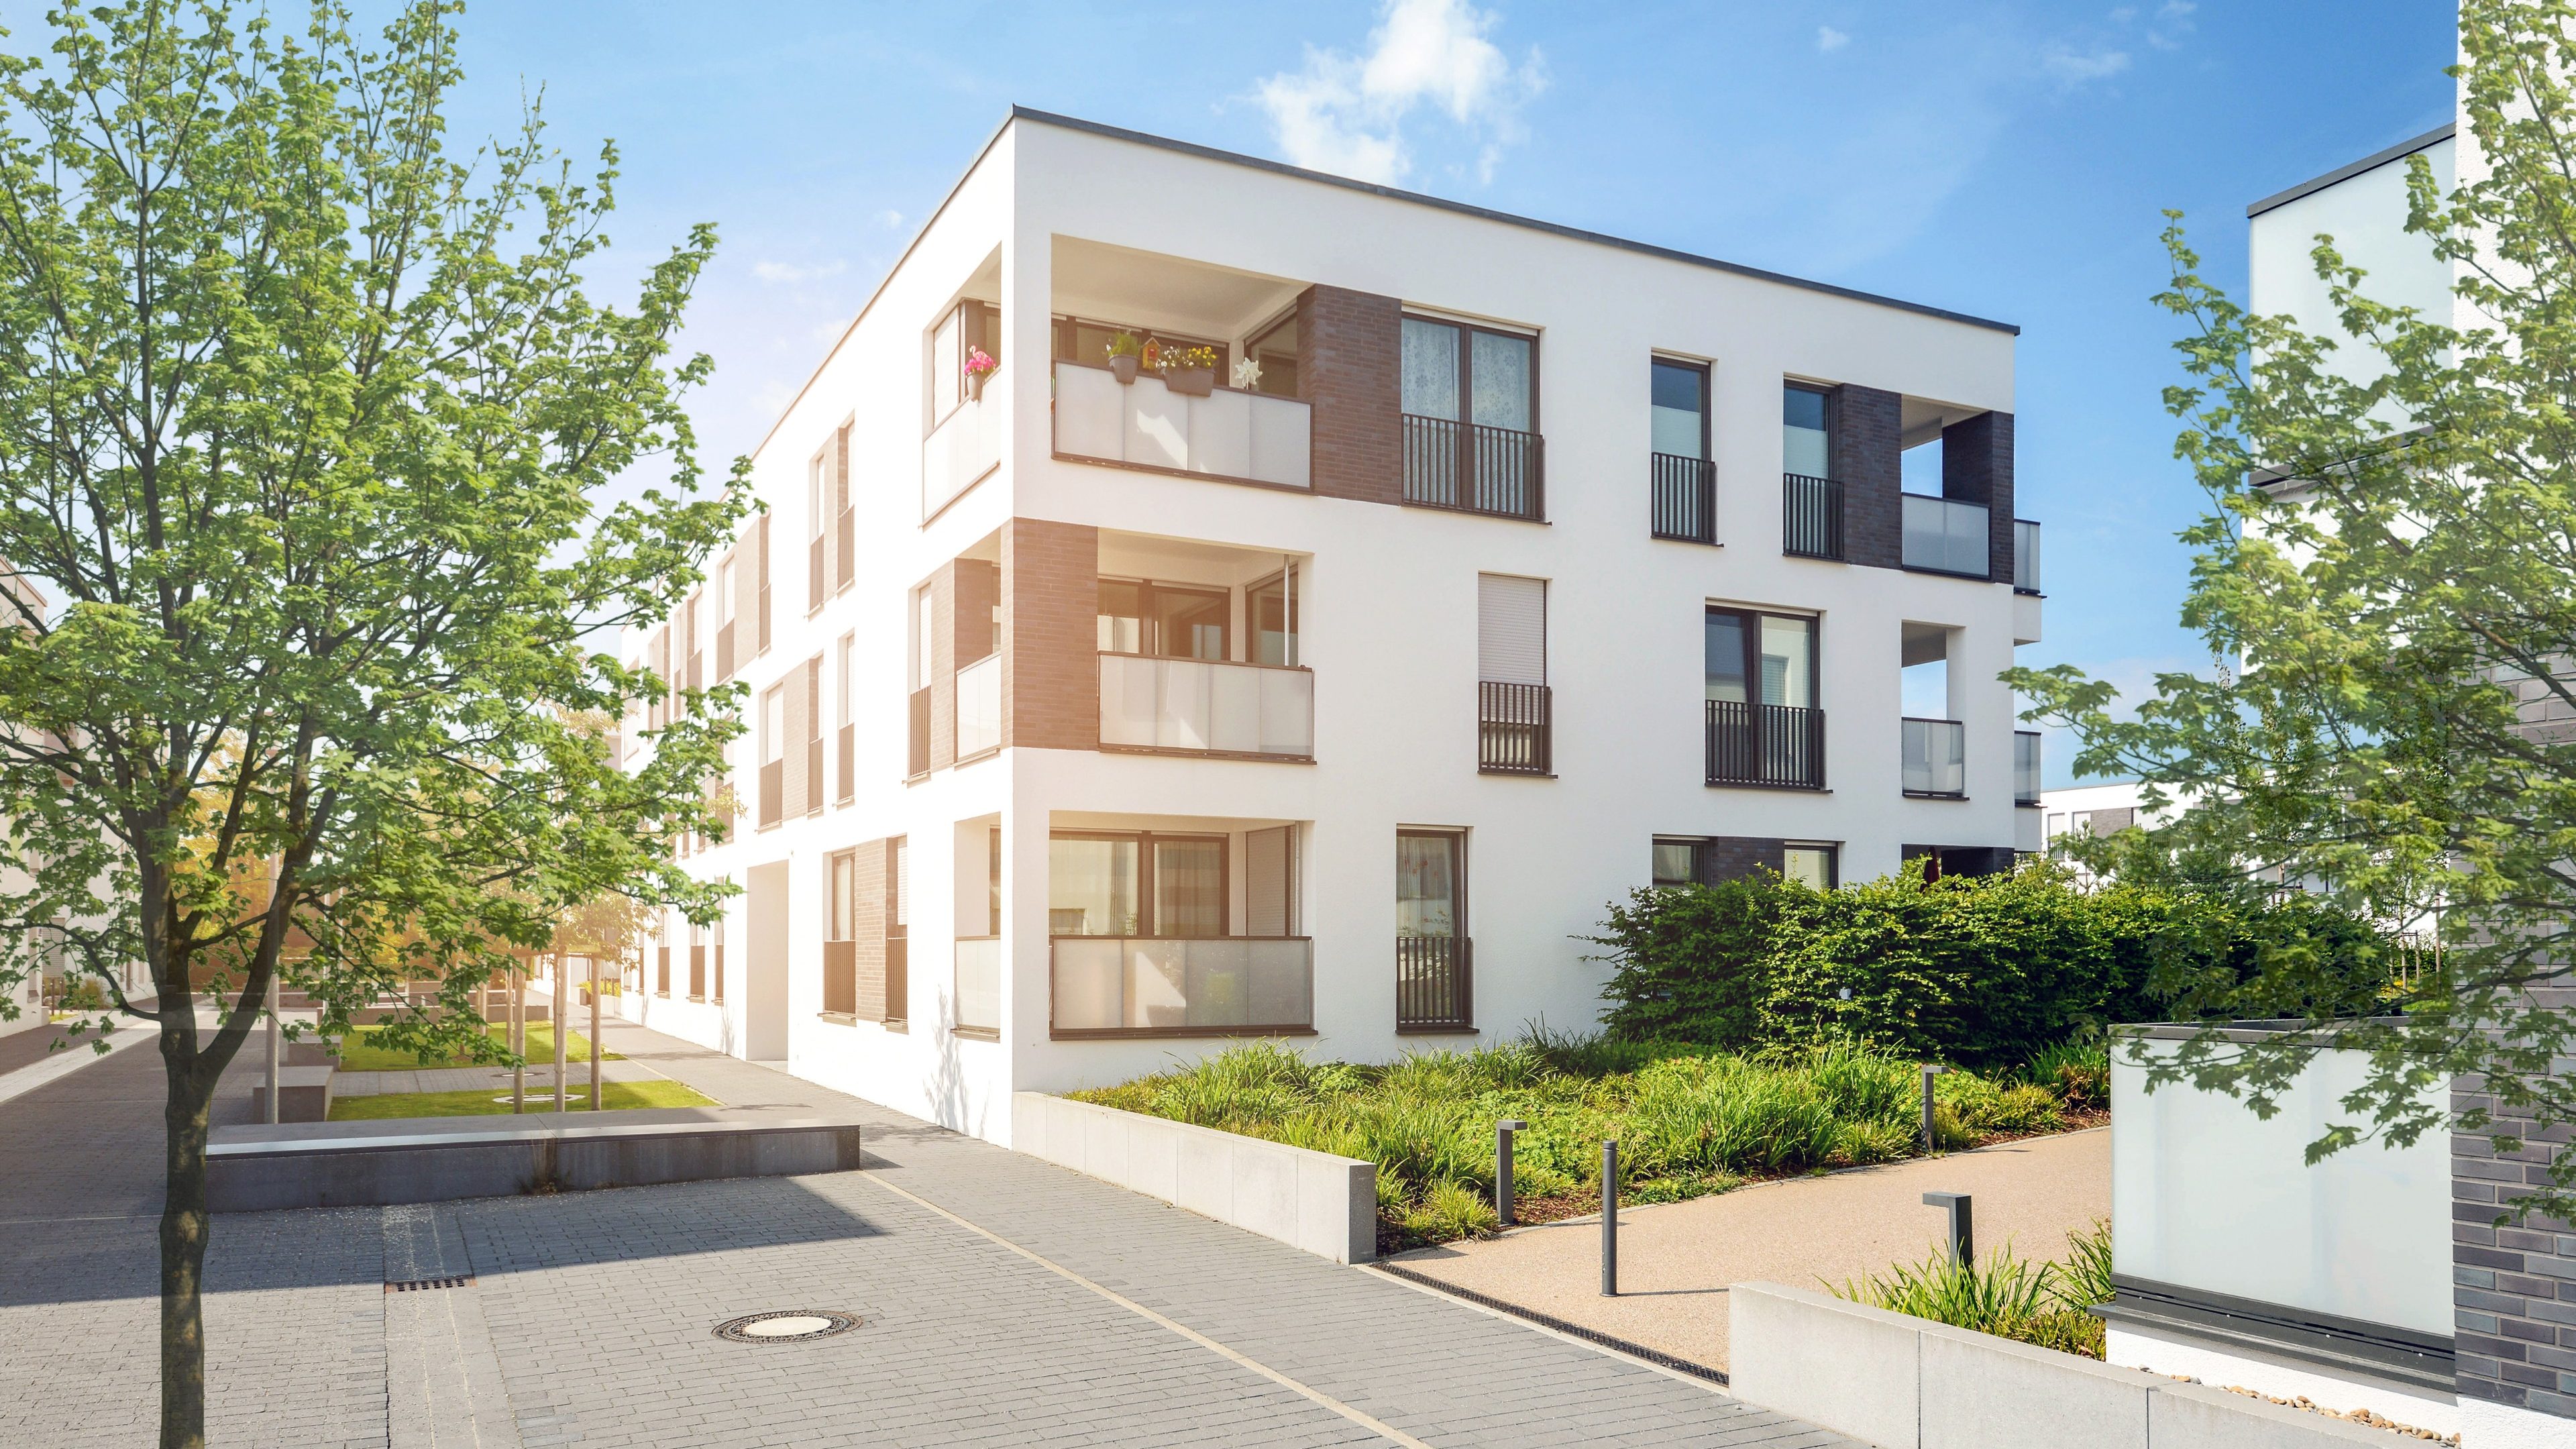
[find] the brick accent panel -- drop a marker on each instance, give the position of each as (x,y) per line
(2514,1288)
(979,592)
(1733,857)
(868,923)
(1977,466)
(1349,346)
(1866,424)
(1050,581)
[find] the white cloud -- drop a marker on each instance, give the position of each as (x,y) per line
(1829,39)
(2073,68)
(789,272)
(1346,114)
(890,219)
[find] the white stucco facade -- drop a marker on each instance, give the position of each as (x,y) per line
(1059,221)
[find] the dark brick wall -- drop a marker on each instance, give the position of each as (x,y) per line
(2514,1289)
(1977,466)
(1866,424)
(1050,604)
(1349,345)
(1733,857)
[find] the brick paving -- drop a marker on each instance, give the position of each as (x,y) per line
(589,1317)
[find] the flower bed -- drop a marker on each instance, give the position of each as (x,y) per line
(1689,1120)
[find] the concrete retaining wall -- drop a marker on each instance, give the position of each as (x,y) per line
(1908,1383)
(404,1167)
(1324,1204)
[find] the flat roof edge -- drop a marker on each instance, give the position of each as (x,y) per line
(2371,162)
(1391,193)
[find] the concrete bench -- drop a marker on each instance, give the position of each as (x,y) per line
(428,1160)
(303,1095)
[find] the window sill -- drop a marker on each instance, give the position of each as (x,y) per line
(2028,805)
(1758,785)
(839,1018)
(976,1033)
(1452,1030)
(1985,578)
(1935,795)
(1702,542)
(698,999)
(898,1025)
(976,758)
(1172,1033)
(1506,773)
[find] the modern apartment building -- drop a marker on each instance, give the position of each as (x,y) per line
(1440,577)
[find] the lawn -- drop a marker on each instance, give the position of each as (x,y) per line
(1689,1120)
(489,1102)
(359,1053)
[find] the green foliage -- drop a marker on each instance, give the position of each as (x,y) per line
(2382,579)
(2040,1303)
(1990,971)
(1688,1120)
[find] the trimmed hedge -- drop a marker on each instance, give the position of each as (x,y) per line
(1985,971)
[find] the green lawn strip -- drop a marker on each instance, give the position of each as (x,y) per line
(359,1053)
(1689,1120)
(487,1102)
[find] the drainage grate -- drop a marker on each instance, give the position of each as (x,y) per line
(417,1285)
(795,1325)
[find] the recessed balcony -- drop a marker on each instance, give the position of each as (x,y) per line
(1946,536)
(1230,434)
(1935,758)
(1190,986)
(1206,706)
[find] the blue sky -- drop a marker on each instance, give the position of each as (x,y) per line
(2003,159)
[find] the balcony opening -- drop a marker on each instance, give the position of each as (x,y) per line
(1763,725)
(1682,480)
(1469,397)
(1515,714)
(1199,650)
(1952,476)
(1172,927)
(1932,740)
(1811,496)
(961,349)
(1176,366)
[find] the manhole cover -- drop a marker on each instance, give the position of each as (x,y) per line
(801,1325)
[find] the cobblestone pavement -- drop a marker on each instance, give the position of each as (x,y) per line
(1003,1301)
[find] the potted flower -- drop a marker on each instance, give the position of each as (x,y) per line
(1126,354)
(1189,371)
(979,366)
(1247,375)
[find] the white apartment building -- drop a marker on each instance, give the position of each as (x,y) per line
(1329,684)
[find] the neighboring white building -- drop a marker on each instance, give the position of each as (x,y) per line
(1098,720)
(2104,809)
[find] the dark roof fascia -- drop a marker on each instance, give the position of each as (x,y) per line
(1281,168)
(2371,162)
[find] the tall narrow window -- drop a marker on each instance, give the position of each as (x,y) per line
(725,600)
(898,929)
(773,756)
(1270,881)
(1684,482)
(844,522)
(818,485)
(1432,953)
(840,934)
(993,881)
(1276,352)
(1514,711)
(1764,727)
(1679,409)
(1469,396)
(762,574)
(813,723)
(967,327)
(1804,448)
(917,710)
(845,731)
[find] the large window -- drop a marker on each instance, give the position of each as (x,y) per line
(1136,884)
(1804,448)
(1172,621)
(1761,658)
(1430,884)
(1270,616)
(1470,375)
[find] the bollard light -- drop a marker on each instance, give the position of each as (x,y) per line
(1963,1232)
(1928,1074)
(1610,1218)
(1503,1131)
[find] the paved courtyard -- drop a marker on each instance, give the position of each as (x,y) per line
(1004,1301)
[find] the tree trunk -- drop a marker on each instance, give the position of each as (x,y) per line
(183,1237)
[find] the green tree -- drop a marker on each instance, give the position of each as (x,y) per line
(2391,553)
(305,427)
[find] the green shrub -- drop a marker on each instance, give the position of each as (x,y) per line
(2040,1303)
(1992,972)
(1451,1211)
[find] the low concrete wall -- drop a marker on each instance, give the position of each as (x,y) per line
(398,1165)
(1324,1204)
(1908,1383)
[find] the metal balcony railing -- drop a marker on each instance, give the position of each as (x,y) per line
(1198,986)
(1515,734)
(1434,981)
(1473,468)
(2025,767)
(1946,536)
(1811,516)
(1685,498)
(1777,745)
(917,754)
(2025,556)
(840,978)
(1935,757)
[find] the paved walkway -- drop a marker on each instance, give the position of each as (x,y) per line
(1005,1301)
(1676,1259)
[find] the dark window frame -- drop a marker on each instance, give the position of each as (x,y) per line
(1145,841)
(1060,328)
(1149,647)
(1458,873)
(1467,368)
(1263,333)
(1751,620)
(1827,398)
(1707,399)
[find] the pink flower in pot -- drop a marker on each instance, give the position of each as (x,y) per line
(979,366)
